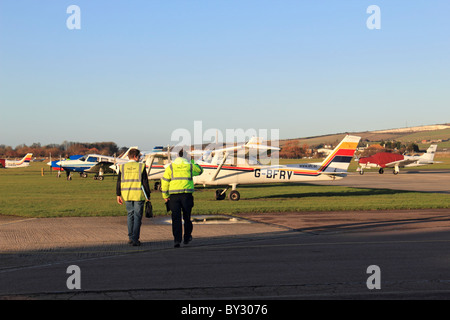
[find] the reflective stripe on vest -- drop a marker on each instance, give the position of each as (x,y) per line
(131,181)
(176,183)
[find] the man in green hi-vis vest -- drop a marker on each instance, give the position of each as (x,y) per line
(132,182)
(177,186)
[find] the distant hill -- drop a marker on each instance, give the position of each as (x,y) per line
(405,135)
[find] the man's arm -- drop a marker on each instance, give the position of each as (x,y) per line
(165,182)
(118,189)
(196,169)
(145,184)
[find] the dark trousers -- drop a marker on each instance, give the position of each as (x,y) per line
(181,202)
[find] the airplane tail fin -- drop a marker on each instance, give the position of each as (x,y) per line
(26,159)
(339,160)
(429,155)
(125,155)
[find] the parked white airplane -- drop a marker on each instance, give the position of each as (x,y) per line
(220,174)
(24,162)
(157,160)
(92,163)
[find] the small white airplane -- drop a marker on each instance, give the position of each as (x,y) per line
(251,172)
(24,162)
(158,159)
(92,163)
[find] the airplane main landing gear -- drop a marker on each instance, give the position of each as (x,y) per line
(234,195)
(99,176)
(396,170)
(381,171)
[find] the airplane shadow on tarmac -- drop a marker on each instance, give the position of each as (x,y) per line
(374,225)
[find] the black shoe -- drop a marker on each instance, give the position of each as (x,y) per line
(176,245)
(136,243)
(187,240)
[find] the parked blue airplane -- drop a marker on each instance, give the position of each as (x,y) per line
(91,163)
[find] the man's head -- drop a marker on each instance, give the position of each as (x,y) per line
(134,154)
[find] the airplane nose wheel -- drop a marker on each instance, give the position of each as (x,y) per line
(234,195)
(220,194)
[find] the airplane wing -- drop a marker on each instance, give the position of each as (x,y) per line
(255,143)
(103,165)
(400,163)
(161,155)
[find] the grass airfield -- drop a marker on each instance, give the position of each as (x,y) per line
(26,192)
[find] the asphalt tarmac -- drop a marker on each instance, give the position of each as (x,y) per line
(411,180)
(398,254)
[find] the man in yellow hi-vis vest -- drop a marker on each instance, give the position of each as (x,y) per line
(132,182)
(177,186)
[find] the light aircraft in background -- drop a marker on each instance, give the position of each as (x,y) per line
(56,167)
(218,173)
(24,162)
(395,160)
(92,163)
(155,161)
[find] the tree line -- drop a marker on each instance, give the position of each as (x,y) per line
(65,149)
(391,146)
(293,150)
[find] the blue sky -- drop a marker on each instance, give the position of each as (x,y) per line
(138,70)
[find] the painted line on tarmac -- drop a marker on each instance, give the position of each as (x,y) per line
(17,221)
